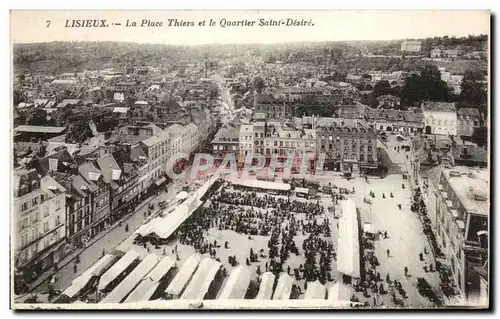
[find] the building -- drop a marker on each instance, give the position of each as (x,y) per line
(388,101)
(226,141)
(30,133)
(395,121)
(39,223)
(468,120)
(192,138)
(458,208)
(99,197)
(272,107)
(130,189)
(412,46)
(283,140)
(246,147)
(440,118)
(348,149)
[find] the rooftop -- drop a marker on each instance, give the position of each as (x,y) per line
(438,106)
(471,187)
(39,129)
(468,111)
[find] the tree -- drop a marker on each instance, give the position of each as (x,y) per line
(474,91)
(108,123)
(62,117)
(37,117)
(78,132)
(480,136)
(259,84)
(427,86)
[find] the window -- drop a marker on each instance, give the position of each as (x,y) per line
(330,146)
(281,143)
(275,143)
(34,201)
(353,157)
(58,220)
(234,147)
(34,233)
(24,223)
(330,138)
(361,157)
(369,148)
(370,158)
(24,239)
(24,206)
(45,211)
(45,227)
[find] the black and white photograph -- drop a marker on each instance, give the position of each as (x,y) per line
(329,159)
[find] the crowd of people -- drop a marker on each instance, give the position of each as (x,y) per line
(257,214)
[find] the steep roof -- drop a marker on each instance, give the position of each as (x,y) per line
(110,170)
(438,106)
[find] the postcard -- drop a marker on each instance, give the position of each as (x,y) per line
(250,159)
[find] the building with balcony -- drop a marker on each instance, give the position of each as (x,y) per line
(347,149)
(39,223)
(458,208)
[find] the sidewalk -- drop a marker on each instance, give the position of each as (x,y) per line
(91,246)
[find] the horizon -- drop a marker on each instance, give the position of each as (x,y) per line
(242,44)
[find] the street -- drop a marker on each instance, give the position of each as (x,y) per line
(106,244)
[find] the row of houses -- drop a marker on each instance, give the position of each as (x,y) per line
(65,198)
(343,145)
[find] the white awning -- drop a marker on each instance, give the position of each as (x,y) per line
(237,284)
(266,286)
(130,282)
(283,288)
(182,195)
(180,280)
(203,277)
(117,268)
(251,183)
(348,261)
(315,290)
(148,285)
(302,190)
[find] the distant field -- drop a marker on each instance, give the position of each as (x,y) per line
(460,66)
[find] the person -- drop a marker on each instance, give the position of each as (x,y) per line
(421,256)
(75,268)
(388,278)
(385,234)
(406,271)
(392,196)
(425,250)
(383,195)
(399,205)
(388,252)
(431,268)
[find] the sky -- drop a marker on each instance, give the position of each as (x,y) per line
(33,26)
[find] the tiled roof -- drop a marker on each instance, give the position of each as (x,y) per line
(438,106)
(468,111)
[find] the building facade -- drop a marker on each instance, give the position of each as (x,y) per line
(39,228)
(347,149)
(468,120)
(413,46)
(246,147)
(440,118)
(459,211)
